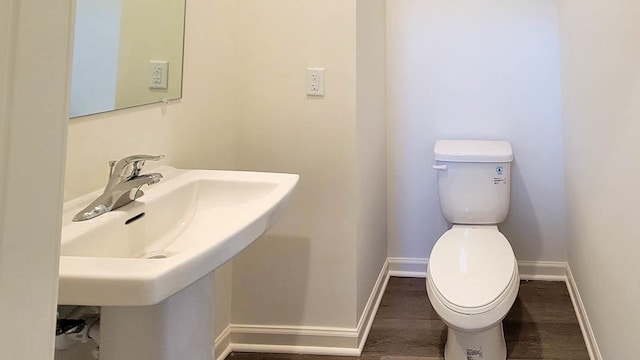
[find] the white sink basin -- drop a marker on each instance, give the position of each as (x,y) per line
(182,229)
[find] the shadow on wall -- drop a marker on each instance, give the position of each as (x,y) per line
(522,227)
(274,269)
(415,221)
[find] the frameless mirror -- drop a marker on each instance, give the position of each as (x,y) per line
(126,53)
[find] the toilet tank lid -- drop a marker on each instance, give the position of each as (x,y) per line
(473,151)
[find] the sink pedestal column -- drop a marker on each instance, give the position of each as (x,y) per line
(178,328)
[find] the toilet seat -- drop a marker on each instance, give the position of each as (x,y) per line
(471,269)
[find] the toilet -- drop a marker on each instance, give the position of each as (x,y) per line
(472,274)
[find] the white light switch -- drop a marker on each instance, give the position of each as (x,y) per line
(158,74)
(315,81)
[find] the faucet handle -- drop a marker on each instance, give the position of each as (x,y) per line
(136,160)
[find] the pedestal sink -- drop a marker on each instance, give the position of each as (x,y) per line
(147,263)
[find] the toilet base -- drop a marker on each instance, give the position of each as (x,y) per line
(485,345)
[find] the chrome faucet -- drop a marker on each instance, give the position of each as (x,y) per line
(123,186)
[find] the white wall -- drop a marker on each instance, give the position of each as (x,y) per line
(601,88)
(32,144)
(485,70)
(303,271)
(318,265)
(371,146)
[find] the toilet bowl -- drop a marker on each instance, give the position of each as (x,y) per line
(472,274)
(472,282)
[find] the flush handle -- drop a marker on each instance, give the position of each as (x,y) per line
(440,167)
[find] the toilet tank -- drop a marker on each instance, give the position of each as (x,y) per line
(474,180)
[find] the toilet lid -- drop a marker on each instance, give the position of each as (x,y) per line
(471,266)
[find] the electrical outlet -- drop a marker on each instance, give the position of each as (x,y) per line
(158,74)
(315,81)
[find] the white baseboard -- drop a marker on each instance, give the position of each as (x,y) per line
(222,344)
(295,339)
(583,319)
(295,349)
(542,270)
(371,308)
(292,340)
(301,339)
(529,270)
(408,267)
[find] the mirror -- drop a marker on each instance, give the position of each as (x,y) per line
(126,53)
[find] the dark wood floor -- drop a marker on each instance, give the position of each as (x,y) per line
(540,325)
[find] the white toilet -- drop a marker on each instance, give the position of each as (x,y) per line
(472,276)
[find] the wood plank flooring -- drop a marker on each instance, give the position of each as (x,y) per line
(541,325)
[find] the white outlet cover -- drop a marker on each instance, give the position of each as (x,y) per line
(315,81)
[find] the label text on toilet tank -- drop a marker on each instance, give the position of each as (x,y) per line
(474,354)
